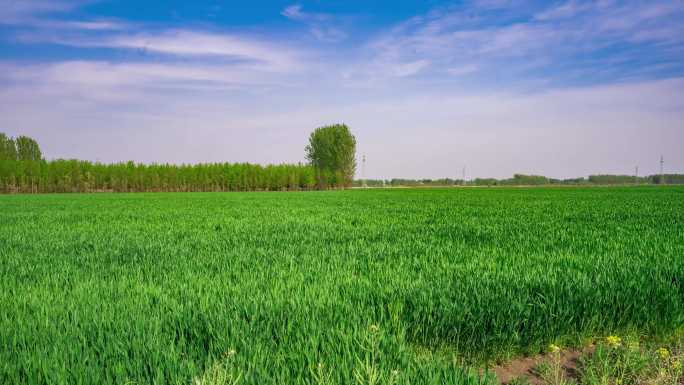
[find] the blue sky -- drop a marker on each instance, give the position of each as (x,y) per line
(561,88)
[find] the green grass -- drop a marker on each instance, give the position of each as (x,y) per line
(346,287)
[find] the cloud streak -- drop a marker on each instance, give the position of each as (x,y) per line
(19,11)
(41,14)
(323,26)
(258,54)
(131,83)
(561,35)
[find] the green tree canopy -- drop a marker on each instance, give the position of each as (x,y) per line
(28,149)
(332,152)
(8,150)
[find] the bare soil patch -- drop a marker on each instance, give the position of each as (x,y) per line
(525,367)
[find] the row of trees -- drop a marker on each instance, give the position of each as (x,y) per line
(83,176)
(527,180)
(403,182)
(631,179)
(331,154)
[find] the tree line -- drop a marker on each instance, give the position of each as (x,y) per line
(526,180)
(331,156)
(83,176)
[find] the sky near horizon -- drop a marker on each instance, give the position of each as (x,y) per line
(560,88)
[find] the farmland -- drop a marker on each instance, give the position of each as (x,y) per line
(339,287)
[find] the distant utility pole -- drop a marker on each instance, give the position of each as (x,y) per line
(363,171)
(636,175)
(464,180)
(662,176)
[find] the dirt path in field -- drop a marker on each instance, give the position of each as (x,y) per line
(526,367)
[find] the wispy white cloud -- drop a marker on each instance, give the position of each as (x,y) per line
(324,27)
(463,70)
(51,26)
(408,69)
(259,54)
(89,25)
(562,11)
(496,4)
(295,12)
(183,42)
(106,81)
(40,14)
(509,39)
(20,11)
(39,25)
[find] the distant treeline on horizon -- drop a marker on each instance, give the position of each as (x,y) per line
(526,180)
(23,170)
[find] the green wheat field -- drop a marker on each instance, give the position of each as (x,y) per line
(402,286)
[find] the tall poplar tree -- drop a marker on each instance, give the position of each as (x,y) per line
(28,149)
(332,152)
